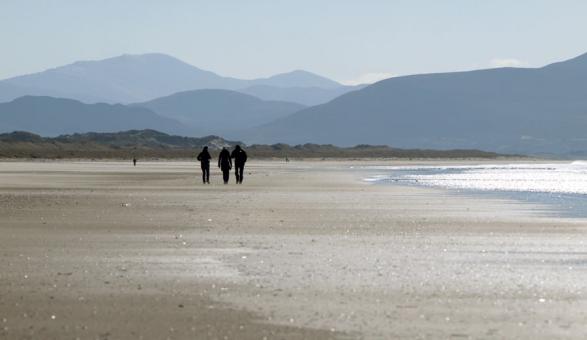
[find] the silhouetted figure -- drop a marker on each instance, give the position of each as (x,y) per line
(204,158)
(134,161)
(240,158)
(225,164)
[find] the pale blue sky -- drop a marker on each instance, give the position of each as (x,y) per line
(342,39)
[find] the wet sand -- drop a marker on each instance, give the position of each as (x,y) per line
(305,250)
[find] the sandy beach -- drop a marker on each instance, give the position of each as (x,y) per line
(304,250)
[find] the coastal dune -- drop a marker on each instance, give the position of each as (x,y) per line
(303,249)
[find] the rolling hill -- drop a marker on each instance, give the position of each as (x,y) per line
(50,116)
(219,111)
(539,110)
(308,96)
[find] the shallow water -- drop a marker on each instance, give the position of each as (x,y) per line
(562,186)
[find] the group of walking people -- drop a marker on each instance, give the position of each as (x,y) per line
(224,163)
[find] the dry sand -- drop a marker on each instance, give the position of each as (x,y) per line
(103,250)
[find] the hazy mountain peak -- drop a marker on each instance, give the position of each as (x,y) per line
(121,79)
(300,73)
(131,60)
(147,58)
(120,60)
(134,57)
(139,77)
(299,78)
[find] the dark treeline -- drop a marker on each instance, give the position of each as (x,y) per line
(361,151)
(153,144)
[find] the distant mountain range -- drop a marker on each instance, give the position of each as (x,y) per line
(190,113)
(138,78)
(507,110)
(541,110)
(219,111)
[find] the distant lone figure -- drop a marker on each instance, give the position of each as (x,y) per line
(240,158)
(134,161)
(225,164)
(204,158)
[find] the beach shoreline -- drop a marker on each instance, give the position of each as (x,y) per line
(300,250)
(555,188)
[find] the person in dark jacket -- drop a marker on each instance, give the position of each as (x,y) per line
(204,158)
(240,158)
(225,164)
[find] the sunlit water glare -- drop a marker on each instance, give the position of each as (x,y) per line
(563,184)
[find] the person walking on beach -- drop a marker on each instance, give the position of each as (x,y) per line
(240,158)
(204,158)
(225,164)
(134,161)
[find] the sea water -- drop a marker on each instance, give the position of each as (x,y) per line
(563,186)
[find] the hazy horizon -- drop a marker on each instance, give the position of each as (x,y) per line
(346,41)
